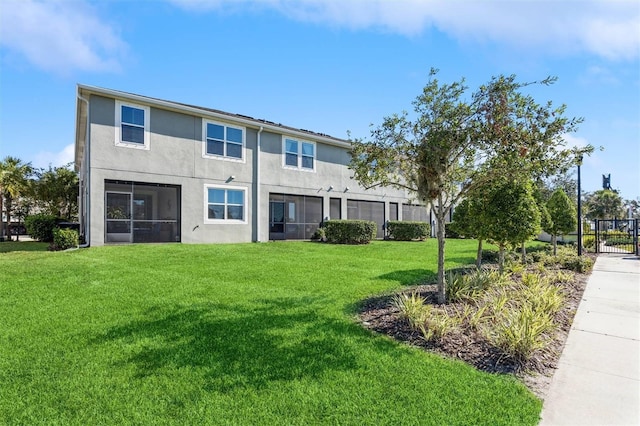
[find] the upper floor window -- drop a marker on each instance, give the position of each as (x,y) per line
(132,125)
(225,204)
(299,154)
(223,141)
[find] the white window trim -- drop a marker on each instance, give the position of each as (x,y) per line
(147,119)
(299,166)
(223,157)
(205,203)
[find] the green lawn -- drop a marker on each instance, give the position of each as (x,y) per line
(9,246)
(229,334)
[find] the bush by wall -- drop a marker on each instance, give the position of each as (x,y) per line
(40,227)
(64,239)
(319,235)
(407,231)
(350,231)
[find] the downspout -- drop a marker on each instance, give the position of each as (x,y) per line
(258,189)
(87,184)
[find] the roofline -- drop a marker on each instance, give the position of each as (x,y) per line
(84,91)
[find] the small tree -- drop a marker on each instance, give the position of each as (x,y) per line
(563,216)
(444,152)
(469,220)
(514,213)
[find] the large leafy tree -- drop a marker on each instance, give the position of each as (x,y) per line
(603,204)
(562,213)
(445,150)
(14,183)
(56,191)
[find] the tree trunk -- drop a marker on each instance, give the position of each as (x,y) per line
(554,241)
(8,213)
(479,255)
(442,295)
(1,220)
(524,253)
(501,260)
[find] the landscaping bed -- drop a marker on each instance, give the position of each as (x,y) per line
(466,343)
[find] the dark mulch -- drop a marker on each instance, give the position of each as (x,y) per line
(379,314)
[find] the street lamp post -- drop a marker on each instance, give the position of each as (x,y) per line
(579,209)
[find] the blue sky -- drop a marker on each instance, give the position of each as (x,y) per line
(330,66)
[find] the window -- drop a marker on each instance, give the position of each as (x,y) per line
(132,125)
(222,141)
(224,204)
(299,155)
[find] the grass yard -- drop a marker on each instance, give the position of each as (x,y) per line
(10,246)
(232,335)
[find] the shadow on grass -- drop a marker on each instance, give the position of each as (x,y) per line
(241,346)
(411,276)
(10,246)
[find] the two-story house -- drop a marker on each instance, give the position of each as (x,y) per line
(153,170)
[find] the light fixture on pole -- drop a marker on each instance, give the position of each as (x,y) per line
(579,208)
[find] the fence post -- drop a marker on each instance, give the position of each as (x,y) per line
(597,237)
(635,237)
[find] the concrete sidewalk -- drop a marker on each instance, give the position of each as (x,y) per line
(598,377)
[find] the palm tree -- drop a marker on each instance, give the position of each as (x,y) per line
(14,177)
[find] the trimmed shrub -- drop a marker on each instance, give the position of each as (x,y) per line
(450,231)
(580,264)
(64,239)
(407,231)
(350,231)
(319,235)
(40,227)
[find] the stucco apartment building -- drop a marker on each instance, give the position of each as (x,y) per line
(153,170)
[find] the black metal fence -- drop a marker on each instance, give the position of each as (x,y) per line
(612,236)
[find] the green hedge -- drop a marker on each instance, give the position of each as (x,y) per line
(350,231)
(40,227)
(64,239)
(407,231)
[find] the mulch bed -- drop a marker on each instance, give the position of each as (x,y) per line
(379,314)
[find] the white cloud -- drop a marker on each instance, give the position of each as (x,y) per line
(574,141)
(45,159)
(607,28)
(59,35)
